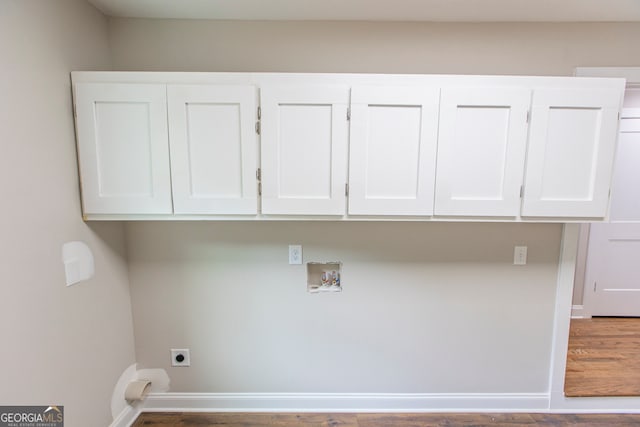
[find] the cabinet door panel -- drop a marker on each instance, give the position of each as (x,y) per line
(304,150)
(213,149)
(481,151)
(392,150)
(122,148)
(571,150)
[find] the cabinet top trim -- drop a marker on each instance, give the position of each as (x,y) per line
(260,79)
(335,218)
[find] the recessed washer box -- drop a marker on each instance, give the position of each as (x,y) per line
(324,276)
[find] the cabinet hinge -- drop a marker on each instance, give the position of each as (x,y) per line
(259,113)
(259,189)
(521,191)
(258,127)
(528,116)
(595,284)
(346,189)
(348,113)
(258,174)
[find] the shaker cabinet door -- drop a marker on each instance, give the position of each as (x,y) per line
(213,148)
(304,149)
(393,140)
(481,151)
(123,149)
(571,152)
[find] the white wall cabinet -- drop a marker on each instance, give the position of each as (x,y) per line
(481,151)
(188,146)
(393,141)
(571,152)
(213,148)
(123,150)
(304,149)
(139,143)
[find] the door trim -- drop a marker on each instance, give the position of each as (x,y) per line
(632,74)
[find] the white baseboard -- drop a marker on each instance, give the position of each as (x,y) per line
(375,402)
(577,312)
(577,405)
(126,417)
(346,402)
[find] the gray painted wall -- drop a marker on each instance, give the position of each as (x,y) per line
(425,307)
(499,48)
(60,345)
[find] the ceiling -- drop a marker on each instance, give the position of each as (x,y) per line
(380,10)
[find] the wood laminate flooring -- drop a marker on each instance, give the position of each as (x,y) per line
(381,420)
(603,357)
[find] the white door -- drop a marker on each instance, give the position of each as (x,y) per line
(613,266)
(392,145)
(481,151)
(571,151)
(213,149)
(304,149)
(123,150)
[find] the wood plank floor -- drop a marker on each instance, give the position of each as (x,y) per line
(603,357)
(381,420)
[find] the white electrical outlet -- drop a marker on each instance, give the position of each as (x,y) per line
(520,255)
(180,357)
(295,254)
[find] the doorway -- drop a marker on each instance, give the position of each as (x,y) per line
(604,352)
(612,274)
